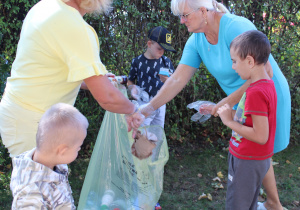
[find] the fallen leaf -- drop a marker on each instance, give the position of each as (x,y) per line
(296,203)
(220,175)
(288,162)
(209,197)
(261,191)
(274,163)
(217,185)
(216,179)
(202,196)
(299,169)
(199,175)
(290,175)
(221,156)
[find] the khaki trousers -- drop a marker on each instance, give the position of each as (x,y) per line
(18,127)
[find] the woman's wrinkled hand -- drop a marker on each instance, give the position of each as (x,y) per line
(134,121)
(206,109)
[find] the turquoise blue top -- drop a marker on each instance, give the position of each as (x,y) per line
(218,62)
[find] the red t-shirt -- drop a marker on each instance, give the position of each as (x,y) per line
(259,99)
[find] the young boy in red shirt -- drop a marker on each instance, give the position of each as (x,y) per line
(254,123)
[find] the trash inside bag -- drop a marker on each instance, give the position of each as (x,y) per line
(115,178)
(203,109)
(143,144)
(137,93)
(138,96)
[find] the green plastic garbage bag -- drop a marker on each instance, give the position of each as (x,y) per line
(115,178)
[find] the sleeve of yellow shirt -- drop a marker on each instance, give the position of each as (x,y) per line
(75,42)
(85,62)
(57,50)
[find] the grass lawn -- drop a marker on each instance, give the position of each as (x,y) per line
(189,173)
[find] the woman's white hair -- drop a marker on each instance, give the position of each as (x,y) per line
(95,6)
(177,6)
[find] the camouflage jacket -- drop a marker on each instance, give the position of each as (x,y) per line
(35,186)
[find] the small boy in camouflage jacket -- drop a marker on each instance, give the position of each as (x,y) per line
(40,176)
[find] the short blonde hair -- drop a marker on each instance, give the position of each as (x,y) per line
(95,6)
(177,6)
(56,123)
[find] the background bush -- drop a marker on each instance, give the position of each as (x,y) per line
(123,35)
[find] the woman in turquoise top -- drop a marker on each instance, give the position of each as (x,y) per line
(213,30)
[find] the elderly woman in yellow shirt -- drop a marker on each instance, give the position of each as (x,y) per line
(57,53)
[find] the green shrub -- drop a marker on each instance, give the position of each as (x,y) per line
(123,34)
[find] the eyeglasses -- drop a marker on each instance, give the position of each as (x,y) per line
(184,17)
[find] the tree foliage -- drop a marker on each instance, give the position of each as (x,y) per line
(123,34)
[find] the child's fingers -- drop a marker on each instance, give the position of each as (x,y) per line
(163,78)
(110,74)
(138,121)
(128,121)
(214,111)
(227,106)
(221,110)
(129,128)
(134,131)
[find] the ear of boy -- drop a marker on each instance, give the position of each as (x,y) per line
(250,61)
(62,149)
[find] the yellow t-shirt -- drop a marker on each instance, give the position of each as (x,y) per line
(56,51)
